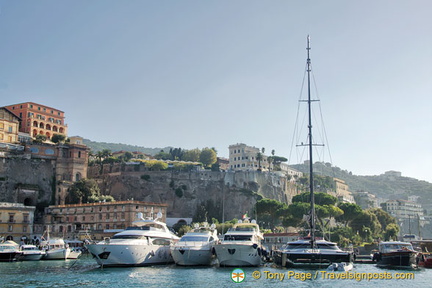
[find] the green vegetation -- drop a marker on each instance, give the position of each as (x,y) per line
(353,225)
(86,191)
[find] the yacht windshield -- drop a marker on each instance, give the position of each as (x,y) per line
(194,238)
(238,237)
(128,237)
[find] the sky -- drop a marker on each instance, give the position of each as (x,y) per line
(196,74)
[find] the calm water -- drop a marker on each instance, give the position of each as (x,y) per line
(86,273)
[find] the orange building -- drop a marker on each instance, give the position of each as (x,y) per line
(39,119)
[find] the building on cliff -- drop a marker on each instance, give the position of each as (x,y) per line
(16,221)
(97,220)
(244,158)
(9,126)
(39,119)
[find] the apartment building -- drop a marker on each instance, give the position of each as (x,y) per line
(16,221)
(97,220)
(9,126)
(39,119)
(244,158)
(403,208)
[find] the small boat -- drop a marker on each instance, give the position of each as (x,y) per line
(31,253)
(9,251)
(74,254)
(196,247)
(343,267)
(424,260)
(241,246)
(55,249)
(311,251)
(147,242)
(395,254)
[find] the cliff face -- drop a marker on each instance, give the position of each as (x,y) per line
(226,195)
(26,181)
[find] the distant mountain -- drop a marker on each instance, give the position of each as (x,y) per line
(383,186)
(99,146)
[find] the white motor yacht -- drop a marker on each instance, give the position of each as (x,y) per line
(196,247)
(147,242)
(241,246)
(9,251)
(31,253)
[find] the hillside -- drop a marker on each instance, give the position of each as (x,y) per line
(99,146)
(382,186)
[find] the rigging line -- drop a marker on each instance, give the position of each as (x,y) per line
(324,132)
(296,133)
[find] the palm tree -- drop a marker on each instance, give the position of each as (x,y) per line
(259,157)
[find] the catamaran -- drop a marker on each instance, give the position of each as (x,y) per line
(310,251)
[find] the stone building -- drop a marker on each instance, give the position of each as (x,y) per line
(16,221)
(244,158)
(9,125)
(39,119)
(97,220)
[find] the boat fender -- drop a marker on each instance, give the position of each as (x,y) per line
(255,246)
(213,251)
(259,251)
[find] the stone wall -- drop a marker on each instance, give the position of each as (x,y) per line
(26,181)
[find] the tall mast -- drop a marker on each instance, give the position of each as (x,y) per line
(311,179)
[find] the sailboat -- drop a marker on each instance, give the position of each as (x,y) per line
(311,251)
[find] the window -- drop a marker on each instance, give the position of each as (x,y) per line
(10,229)
(11,218)
(25,218)
(107,216)
(107,226)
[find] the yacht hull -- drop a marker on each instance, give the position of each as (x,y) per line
(238,255)
(313,257)
(130,255)
(56,254)
(190,256)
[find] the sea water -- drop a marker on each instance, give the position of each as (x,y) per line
(84,272)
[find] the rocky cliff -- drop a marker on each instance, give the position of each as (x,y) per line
(224,195)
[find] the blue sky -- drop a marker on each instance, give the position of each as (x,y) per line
(214,73)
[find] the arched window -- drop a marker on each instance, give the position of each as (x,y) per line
(41,125)
(78,176)
(48,127)
(35,124)
(54,128)
(61,130)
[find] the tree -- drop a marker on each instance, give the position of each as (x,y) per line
(192,155)
(40,138)
(208,157)
(391,232)
(351,211)
(83,191)
(320,198)
(259,157)
(58,138)
(269,210)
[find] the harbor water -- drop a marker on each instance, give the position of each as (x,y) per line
(84,272)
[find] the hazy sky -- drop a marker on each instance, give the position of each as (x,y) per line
(214,73)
